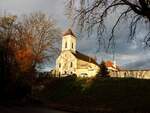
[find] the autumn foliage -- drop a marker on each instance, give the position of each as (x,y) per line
(24,58)
(24,45)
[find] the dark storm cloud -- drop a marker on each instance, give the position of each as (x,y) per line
(131,53)
(54,8)
(139,64)
(126,51)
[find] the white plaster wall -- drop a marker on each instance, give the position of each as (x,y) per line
(65,60)
(69,39)
(143,74)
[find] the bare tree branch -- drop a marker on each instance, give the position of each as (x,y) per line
(91,15)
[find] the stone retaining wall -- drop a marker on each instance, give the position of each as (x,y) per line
(143,74)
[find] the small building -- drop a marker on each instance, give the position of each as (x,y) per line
(124,73)
(112,66)
(71,61)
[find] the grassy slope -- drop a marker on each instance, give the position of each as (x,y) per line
(112,94)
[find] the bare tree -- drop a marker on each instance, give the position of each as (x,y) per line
(91,15)
(31,41)
(37,38)
(23,45)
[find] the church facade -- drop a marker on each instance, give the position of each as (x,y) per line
(70,61)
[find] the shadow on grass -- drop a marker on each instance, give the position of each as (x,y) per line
(106,94)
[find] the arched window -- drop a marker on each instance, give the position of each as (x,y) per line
(59,65)
(66,45)
(72,45)
(71,64)
(65,72)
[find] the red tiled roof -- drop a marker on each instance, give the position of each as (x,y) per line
(109,63)
(83,57)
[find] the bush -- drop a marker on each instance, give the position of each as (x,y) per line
(118,94)
(23,87)
(103,70)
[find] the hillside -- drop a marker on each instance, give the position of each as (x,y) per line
(97,94)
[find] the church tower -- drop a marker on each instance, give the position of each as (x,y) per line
(69,41)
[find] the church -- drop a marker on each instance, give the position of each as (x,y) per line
(70,61)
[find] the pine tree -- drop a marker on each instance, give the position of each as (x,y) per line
(103,70)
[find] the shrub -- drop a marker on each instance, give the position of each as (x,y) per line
(103,70)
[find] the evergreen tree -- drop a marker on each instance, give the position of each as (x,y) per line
(103,70)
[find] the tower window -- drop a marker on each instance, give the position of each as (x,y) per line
(71,65)
(66,45)
(65,72)
(59,64)
(72,45)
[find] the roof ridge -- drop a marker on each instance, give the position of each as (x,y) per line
(69,32)
(84,57)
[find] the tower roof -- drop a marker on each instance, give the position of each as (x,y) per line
(69,32)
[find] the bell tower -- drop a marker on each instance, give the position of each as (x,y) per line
(69,41)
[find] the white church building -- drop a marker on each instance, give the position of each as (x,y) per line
(71,61)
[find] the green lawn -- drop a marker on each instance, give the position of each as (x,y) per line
(99,94)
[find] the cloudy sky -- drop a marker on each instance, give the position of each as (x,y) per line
(127,54)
